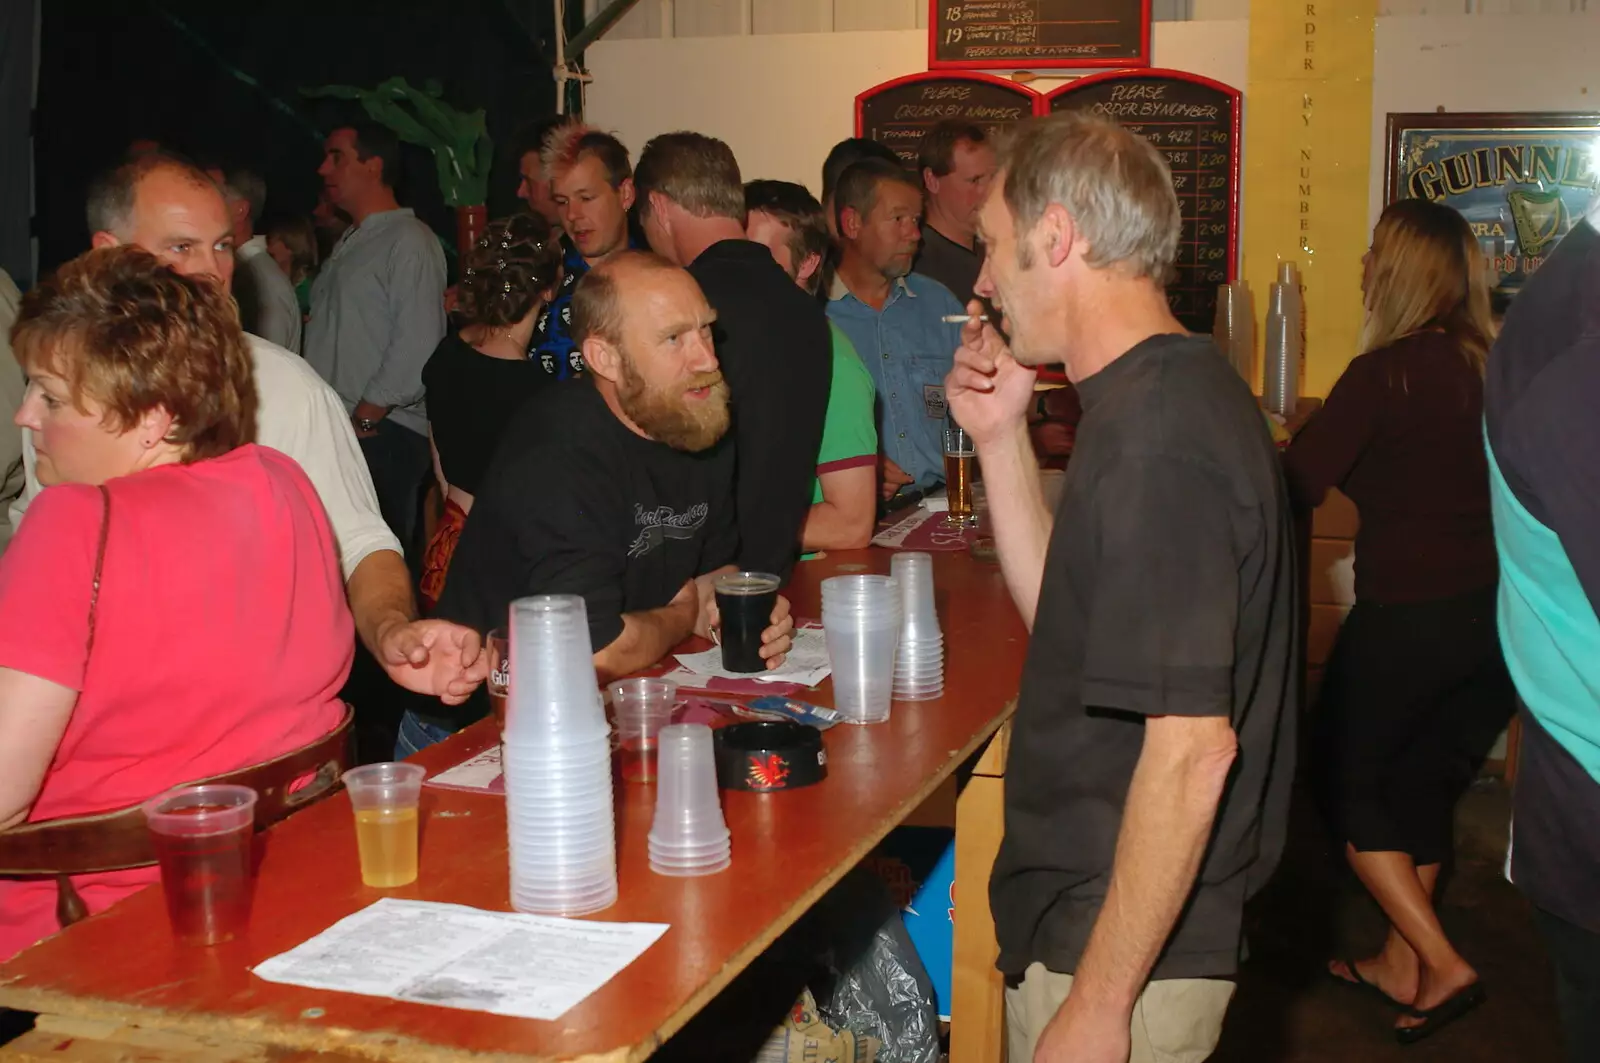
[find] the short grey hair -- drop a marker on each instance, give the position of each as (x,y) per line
(249,186)
(1114,184)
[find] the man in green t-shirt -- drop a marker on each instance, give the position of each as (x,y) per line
(844,498)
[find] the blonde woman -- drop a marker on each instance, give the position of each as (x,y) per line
(1416,689)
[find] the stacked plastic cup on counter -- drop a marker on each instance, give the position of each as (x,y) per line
(689,835)
(557,760)
(919,662)
(861,622)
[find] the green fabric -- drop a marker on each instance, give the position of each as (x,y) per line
(849,429)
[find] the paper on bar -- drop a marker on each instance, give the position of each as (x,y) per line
(452,956)
(807,663)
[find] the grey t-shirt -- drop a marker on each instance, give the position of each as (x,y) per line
(1169,590)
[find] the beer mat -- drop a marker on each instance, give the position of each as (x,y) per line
(807,665)
(479,774)
(925,530)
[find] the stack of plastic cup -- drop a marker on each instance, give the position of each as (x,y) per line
(557,761)
(689,835)
(919,661)
(861,622)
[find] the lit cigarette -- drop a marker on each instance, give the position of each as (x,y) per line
(962,319)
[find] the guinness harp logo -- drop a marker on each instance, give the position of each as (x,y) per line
(1537,216)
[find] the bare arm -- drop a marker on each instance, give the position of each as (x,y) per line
(1172,802)
(648,636)
(33,717)
(1022,524)
(434,657)
(843,520)
(438,467)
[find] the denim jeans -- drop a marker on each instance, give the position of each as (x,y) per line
(417,734)
(399,460)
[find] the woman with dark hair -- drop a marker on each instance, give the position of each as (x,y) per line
(172,608)
(480,374)
(1416,689)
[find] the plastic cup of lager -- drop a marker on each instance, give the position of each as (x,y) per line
(745,601)
(202,837)
(385,798)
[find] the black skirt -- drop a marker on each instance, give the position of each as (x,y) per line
(1414,697)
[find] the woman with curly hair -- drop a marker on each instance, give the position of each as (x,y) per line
(172,608)
(480,374)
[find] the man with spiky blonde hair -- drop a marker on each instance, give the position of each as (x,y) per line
(591,185)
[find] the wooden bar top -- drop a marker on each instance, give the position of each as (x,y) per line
(788,849)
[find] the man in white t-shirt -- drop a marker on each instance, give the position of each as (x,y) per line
(267,304)
(170,208)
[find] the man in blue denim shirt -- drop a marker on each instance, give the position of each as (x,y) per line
(894,318)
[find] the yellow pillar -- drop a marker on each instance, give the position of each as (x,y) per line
(1308,129)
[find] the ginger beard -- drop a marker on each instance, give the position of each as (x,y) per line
(668,414)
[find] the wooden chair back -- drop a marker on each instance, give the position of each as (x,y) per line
(116,840)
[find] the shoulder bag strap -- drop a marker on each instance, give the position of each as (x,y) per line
(99,566)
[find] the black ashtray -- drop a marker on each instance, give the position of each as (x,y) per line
(766,756)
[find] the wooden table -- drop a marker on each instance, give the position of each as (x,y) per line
(117,987)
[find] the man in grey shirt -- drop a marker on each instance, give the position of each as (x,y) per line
(267,306)
(377,312)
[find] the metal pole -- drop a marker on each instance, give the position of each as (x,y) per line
(597,26)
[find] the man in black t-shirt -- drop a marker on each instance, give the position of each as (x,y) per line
(1148,783)
(772,338)
(616,490)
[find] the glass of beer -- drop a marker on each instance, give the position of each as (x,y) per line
(745,601)
(959,458)
(202,836)
(498,647)
(385,798)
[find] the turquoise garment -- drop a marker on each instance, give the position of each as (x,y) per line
(1548,629)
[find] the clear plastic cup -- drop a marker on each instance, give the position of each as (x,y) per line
(643,707)
(385,798)
(202,836)
(688,803)
(863,668)
(565,904)
(552,690)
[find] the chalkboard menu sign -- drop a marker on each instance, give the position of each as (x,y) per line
(898,112)
(986,34)
(1195,123)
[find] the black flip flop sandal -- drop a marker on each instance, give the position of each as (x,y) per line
(1356,982)
(1438,1017)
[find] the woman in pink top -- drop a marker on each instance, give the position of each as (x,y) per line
(220,635)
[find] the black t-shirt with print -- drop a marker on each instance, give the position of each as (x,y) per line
(1169,589)
(576,503)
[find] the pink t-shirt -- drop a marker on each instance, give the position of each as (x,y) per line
(222,639)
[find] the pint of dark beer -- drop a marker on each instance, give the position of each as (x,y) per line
(745,601)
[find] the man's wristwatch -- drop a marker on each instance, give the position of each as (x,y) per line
(368,424)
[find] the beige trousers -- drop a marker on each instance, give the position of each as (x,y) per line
(1176,1020)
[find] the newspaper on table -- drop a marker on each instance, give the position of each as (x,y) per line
(505,963)
(807,663)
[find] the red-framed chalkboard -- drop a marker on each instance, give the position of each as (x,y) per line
(1195,122)
(898,112)
(1035,34)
